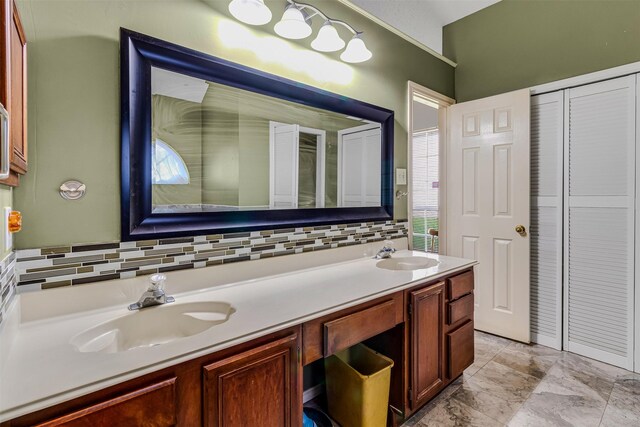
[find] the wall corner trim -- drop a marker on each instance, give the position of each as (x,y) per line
(397,32)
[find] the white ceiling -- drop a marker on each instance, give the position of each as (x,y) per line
(422,20)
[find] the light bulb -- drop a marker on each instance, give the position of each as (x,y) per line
(327,39)
(293,24)
(356,51)
(252,12)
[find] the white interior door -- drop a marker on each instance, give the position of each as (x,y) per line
(283,166)
(547,133)
(359,166)
(487,198)
(600,126)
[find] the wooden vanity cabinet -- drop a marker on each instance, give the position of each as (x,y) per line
(258,383)
(13,87)
(439,336)
(426,330)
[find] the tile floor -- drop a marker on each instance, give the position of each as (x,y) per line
(512,384)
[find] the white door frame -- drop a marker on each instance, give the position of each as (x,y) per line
(341,134)
(320,162)
(608,74)
(636,311)
(414,89)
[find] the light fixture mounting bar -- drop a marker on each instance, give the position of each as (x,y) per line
(323,15)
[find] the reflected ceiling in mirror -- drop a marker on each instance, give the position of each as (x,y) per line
(219,148)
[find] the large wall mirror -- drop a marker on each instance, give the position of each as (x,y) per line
(209,146)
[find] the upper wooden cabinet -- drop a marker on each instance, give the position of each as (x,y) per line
(13,86)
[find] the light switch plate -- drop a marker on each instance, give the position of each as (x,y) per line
(401,176)
(8,237)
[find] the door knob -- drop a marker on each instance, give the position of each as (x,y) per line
(521,230)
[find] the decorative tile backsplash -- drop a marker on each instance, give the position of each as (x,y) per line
(79,264)
(7,283)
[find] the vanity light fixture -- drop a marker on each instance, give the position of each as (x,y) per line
(356,51)
(327,39)
(252,12)
(295,24)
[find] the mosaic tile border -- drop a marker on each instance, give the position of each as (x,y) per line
(7,283)
(79,264)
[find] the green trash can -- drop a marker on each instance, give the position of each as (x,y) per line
(357,381)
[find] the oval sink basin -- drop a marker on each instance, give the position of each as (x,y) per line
(152,326)
(407,263)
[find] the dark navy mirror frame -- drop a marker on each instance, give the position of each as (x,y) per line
(138,53)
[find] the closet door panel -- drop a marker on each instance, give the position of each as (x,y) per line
(600,122)
(599,282)
(546,218)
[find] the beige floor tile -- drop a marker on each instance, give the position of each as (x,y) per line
(527,363)
(488,404)
(454,413)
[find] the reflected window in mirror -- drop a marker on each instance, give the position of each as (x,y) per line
(167,167)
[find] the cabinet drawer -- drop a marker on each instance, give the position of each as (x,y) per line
(459,309)
(314,339)
(154,405)
(460,285)
(460,349)
(351,329)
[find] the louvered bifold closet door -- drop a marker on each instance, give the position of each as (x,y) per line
(599,215)
(546,218)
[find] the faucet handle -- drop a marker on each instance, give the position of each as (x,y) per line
(389,245)
(157,282)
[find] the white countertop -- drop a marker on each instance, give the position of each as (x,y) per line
(40,368)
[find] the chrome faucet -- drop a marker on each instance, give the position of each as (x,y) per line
(385,252)
(154,294)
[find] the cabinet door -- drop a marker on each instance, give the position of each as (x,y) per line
(427,324)
(260,387)
(5,51)
(151,406)
(13,86)
(18,93)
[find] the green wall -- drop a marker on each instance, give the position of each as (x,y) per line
(74,129)
(515,44)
